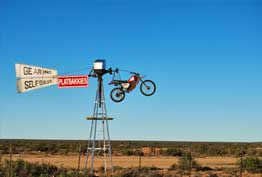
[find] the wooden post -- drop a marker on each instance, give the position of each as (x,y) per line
(0,159)
(139,167)
(190,160)
(241,163)
(79,159)
(10,160)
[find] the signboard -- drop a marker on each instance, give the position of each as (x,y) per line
(72,81)
(27,84)
(28,71)
(34,77)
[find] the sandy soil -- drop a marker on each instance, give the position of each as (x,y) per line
(124,161)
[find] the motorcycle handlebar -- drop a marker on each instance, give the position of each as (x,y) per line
(117,71)
(134,73)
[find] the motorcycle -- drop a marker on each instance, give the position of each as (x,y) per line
(147,87)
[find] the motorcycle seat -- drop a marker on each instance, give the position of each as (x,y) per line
(117,82)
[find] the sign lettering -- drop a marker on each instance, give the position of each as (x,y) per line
(72,81)
(27,71)
(24,85)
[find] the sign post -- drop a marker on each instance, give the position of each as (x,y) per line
(34,77)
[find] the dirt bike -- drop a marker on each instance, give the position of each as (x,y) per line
(147,87)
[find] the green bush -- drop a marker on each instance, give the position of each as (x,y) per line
(130,152)
(172,152)
(143,172)
(252,164)
(22,168)
(203,168)
(173,167)
(186,163)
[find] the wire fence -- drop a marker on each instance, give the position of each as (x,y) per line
(187,164)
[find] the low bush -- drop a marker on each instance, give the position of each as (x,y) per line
(173,167)
(187,162)
(130,152)
(171,152)
(203,168)
(252,164)
(143,172)
(22,168)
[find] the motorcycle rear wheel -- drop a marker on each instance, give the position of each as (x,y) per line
(117,95)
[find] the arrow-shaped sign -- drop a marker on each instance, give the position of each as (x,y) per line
(27,84)
(34,77)
(28,71)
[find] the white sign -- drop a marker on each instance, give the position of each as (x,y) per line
(28,71)
(27,84)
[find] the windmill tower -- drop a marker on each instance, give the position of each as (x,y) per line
(99,141)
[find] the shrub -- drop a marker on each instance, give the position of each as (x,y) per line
(172,152)
(144,172)
(22,168)
(186,163)
(204,168)
(118,168)
(173,167)
(152,168)
(130,152)
(252,164)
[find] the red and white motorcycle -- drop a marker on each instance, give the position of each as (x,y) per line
(147,87)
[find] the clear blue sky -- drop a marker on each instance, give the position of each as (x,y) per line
(205,56)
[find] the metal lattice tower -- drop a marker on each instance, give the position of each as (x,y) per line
(98,143)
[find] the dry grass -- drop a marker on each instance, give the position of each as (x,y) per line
(70,161)
(125,161)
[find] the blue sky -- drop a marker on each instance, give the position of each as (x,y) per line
(205,57)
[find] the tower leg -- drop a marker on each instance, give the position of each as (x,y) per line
(99,114)
(88,146)
(91,134)
(93,148)
(108,135)
(104,146)
(109,148)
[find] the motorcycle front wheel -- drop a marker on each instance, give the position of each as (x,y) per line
(117,95)
(148,87)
